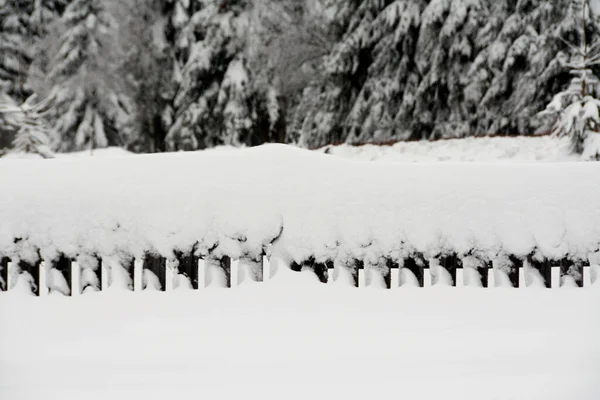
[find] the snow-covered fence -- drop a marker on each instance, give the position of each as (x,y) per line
(410,271)
(313,211)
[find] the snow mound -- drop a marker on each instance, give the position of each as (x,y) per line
(295,204)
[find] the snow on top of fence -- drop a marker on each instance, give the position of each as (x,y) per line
(306,204)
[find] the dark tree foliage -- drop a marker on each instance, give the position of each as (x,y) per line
(414,69)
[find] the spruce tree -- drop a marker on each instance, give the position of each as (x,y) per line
(78,66)
(287,42)
(577,108)
(412,69)
(148,65)
(14,48)
(22,24)
(217,100)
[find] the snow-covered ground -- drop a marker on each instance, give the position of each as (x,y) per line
(294,338)
(110,152)
(492,149)
(483,149)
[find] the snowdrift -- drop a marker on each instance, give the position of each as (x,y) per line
(295,204)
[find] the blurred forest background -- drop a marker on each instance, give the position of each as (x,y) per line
(165,75)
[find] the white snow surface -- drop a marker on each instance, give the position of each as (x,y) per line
(471,149)
(294,338)
(488,149)
(109,152)
(238,202)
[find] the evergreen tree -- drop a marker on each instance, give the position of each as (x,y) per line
(291,36)
(22,23)
(217,100)
(287,42)
(412,69)
(577,108)
(157,75)
(148,65)
(14,47)
(78,65)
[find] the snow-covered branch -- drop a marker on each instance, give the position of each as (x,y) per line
(32,131)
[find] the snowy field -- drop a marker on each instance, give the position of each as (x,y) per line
(492,149)
(484,149)
(294,338)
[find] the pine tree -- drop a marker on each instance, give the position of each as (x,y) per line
(292,37)
(245,72)
(148,65)
(14,48)
(217,100)
(22,22)
(78,66)
(287,42)
(577,108)
(412,69)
